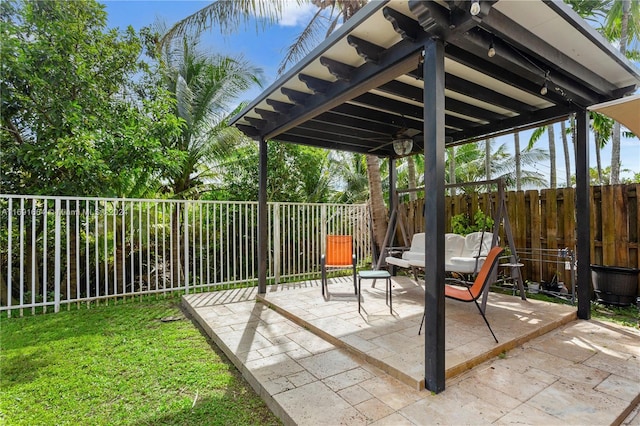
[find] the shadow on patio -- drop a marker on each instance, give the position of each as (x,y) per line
(318,361)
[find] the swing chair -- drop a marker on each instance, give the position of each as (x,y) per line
(464,255)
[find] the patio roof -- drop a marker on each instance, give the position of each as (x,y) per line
(363,87)
(442,73)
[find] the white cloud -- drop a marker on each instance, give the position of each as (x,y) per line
(294,14)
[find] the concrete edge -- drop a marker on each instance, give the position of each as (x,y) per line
(507,346)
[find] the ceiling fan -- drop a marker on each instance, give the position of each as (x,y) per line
(402,141)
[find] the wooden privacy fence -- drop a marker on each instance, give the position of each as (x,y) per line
(546,220)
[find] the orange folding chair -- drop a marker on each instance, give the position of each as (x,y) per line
(475,291)
(338,255)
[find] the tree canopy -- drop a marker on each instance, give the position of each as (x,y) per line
(78,115)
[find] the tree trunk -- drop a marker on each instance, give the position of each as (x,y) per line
(552,156)
(598,158)
(567,161)
(452,168)
(615,155)
(487,159)
(376,199)
(411,169)
(516,144)
(615,140)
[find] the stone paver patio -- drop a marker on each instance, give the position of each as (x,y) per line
(316,361)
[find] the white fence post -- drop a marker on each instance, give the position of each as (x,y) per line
(10,254)
(57,249)
(276,241)
(186,247)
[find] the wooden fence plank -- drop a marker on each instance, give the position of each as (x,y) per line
(546,220)
(569,218)
(520,220)
(595,223)
(608,226)
(621,225)
(536,230)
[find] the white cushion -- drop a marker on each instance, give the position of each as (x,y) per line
(464,265)
(416,252)
(472,244)
(398,262)
(417,243)
(453,245)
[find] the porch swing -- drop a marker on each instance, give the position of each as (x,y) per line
(463,253)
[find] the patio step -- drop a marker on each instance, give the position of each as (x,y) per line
(370,335)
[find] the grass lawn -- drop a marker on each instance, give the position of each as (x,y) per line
(119,364)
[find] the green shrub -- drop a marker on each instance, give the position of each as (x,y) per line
(461,223)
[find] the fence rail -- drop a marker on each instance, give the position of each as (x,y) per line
(62,250)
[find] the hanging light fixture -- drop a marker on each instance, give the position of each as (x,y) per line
(544,89)
(492,50)
(475,7)
(403,145)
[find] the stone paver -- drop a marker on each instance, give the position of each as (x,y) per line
(582,372)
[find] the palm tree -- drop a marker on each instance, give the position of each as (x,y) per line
(535,136)
(350,178)
(471,165)
(203,85)
(602,127)
(622,24)
(565,145)
(228,14)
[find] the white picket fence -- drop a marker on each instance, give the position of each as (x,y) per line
(61,250)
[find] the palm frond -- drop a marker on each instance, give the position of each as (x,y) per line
(535,136)
(228,15)
(305,41)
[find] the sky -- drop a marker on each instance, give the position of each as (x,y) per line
(266,48)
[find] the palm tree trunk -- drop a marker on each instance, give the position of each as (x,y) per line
(452,169)
(552,156)
(567,161)
(615,155)
(615,140)
(376,199)
(598,158)
(487,159)
(516,144)
(411,169)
